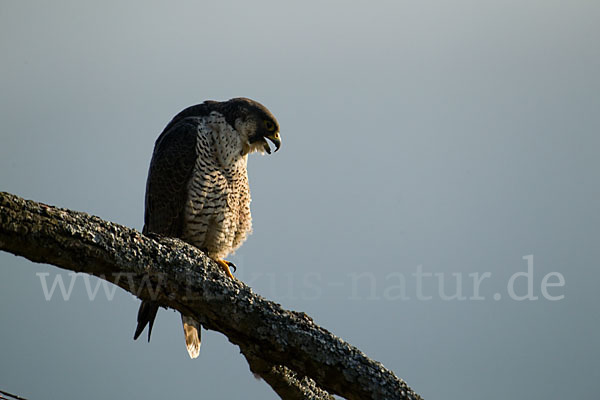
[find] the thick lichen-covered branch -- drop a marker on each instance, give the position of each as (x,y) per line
(295,356)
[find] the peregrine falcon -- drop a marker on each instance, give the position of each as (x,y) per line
(197,188)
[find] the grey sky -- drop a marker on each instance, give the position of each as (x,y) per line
(456,136)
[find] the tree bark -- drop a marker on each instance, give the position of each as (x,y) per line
(299,359)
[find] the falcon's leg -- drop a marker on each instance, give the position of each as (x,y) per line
(225,266)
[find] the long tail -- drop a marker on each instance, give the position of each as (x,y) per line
(191,329)
(146,316)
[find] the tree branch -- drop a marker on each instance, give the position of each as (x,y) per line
(299,359)
(14,396)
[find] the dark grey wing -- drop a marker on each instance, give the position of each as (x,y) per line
(171,168)
(146,316)
(170,171)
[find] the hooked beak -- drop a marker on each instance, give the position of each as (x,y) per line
(275,138)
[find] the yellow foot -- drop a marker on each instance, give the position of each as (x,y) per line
(225,265)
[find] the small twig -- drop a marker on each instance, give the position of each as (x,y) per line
(11,395)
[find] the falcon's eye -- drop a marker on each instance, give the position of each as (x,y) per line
(269,125)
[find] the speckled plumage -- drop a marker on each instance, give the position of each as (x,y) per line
(197,187)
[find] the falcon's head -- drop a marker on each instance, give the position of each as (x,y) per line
(255,124)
